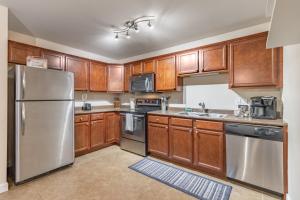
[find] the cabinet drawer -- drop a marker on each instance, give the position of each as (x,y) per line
(181,122)
(97,116)
(82,118)
(209,125)
(158,119)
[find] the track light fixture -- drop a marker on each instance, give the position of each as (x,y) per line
(133,25)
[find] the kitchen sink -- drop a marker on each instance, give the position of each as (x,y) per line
(200,114)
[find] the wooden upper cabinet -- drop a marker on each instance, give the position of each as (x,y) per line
(115,78)
(55,60)
(82,137)
(127,76)
(98,77)
(209,151)
(252,65)
(137,68)
(149,66)
(165,73)
(80,68)
(18,52)
(187,62)
(158,139)
(181,144)
(213,58)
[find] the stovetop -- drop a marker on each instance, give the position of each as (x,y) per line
(145,105)
(143,110)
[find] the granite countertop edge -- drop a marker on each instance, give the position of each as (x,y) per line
(228,118)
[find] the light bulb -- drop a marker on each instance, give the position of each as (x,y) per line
(127,35)
(150,25)
(136,28)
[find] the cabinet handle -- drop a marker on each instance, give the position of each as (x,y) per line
(81,118)
(166,127)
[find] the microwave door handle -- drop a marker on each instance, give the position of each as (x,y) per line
(147,84)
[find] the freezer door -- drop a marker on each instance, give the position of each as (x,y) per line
(43,84)
(44,137)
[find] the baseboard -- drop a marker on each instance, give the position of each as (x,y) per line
(3,187)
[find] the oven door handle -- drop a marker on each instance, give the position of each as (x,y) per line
(134,115)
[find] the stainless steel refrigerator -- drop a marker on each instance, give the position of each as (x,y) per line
(40,121)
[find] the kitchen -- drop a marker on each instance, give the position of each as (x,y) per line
(209,118)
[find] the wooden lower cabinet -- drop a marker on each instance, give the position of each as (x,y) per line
(82,137)
(198,144)
(112,127)
(95,131)
(158,139)
(97,134)
(181,144)
(209,151)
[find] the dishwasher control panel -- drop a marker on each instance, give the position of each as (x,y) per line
(256,131)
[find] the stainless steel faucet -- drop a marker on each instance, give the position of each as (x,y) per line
(202,107)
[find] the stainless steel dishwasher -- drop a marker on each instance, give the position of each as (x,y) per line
(254,155)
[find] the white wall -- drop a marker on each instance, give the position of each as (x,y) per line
(95,98)
(3,95)
(291,102)
(215,92)
(26,39)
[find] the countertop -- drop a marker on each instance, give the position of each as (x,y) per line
(228,118)
(78,110)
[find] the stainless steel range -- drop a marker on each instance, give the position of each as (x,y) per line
(134,126)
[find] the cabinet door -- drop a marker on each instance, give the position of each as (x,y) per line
(187,62)
(213,58)
(165,73)
(112,123)
(98,77)
(158,139)
(55,60)
(251,64)
(181,144)
(80,68)
(82,137)
(127,76)
(137,68)
(115,78)
(97,133)
(149,66)
(209,151)
(18,52)
(117,131)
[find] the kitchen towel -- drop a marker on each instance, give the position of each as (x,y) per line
(129,122)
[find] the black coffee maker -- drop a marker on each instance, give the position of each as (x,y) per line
(263,107)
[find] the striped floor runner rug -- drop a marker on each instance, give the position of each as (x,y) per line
(192,184)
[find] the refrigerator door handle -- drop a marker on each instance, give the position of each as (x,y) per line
(23,118)
(23,83)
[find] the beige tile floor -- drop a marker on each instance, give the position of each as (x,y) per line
(105,175)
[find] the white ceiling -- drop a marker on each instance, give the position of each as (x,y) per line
(88,24)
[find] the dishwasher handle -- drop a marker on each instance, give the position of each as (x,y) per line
(255,131)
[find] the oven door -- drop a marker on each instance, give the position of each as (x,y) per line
(139,129)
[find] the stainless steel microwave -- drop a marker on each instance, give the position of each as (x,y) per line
(143,83)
